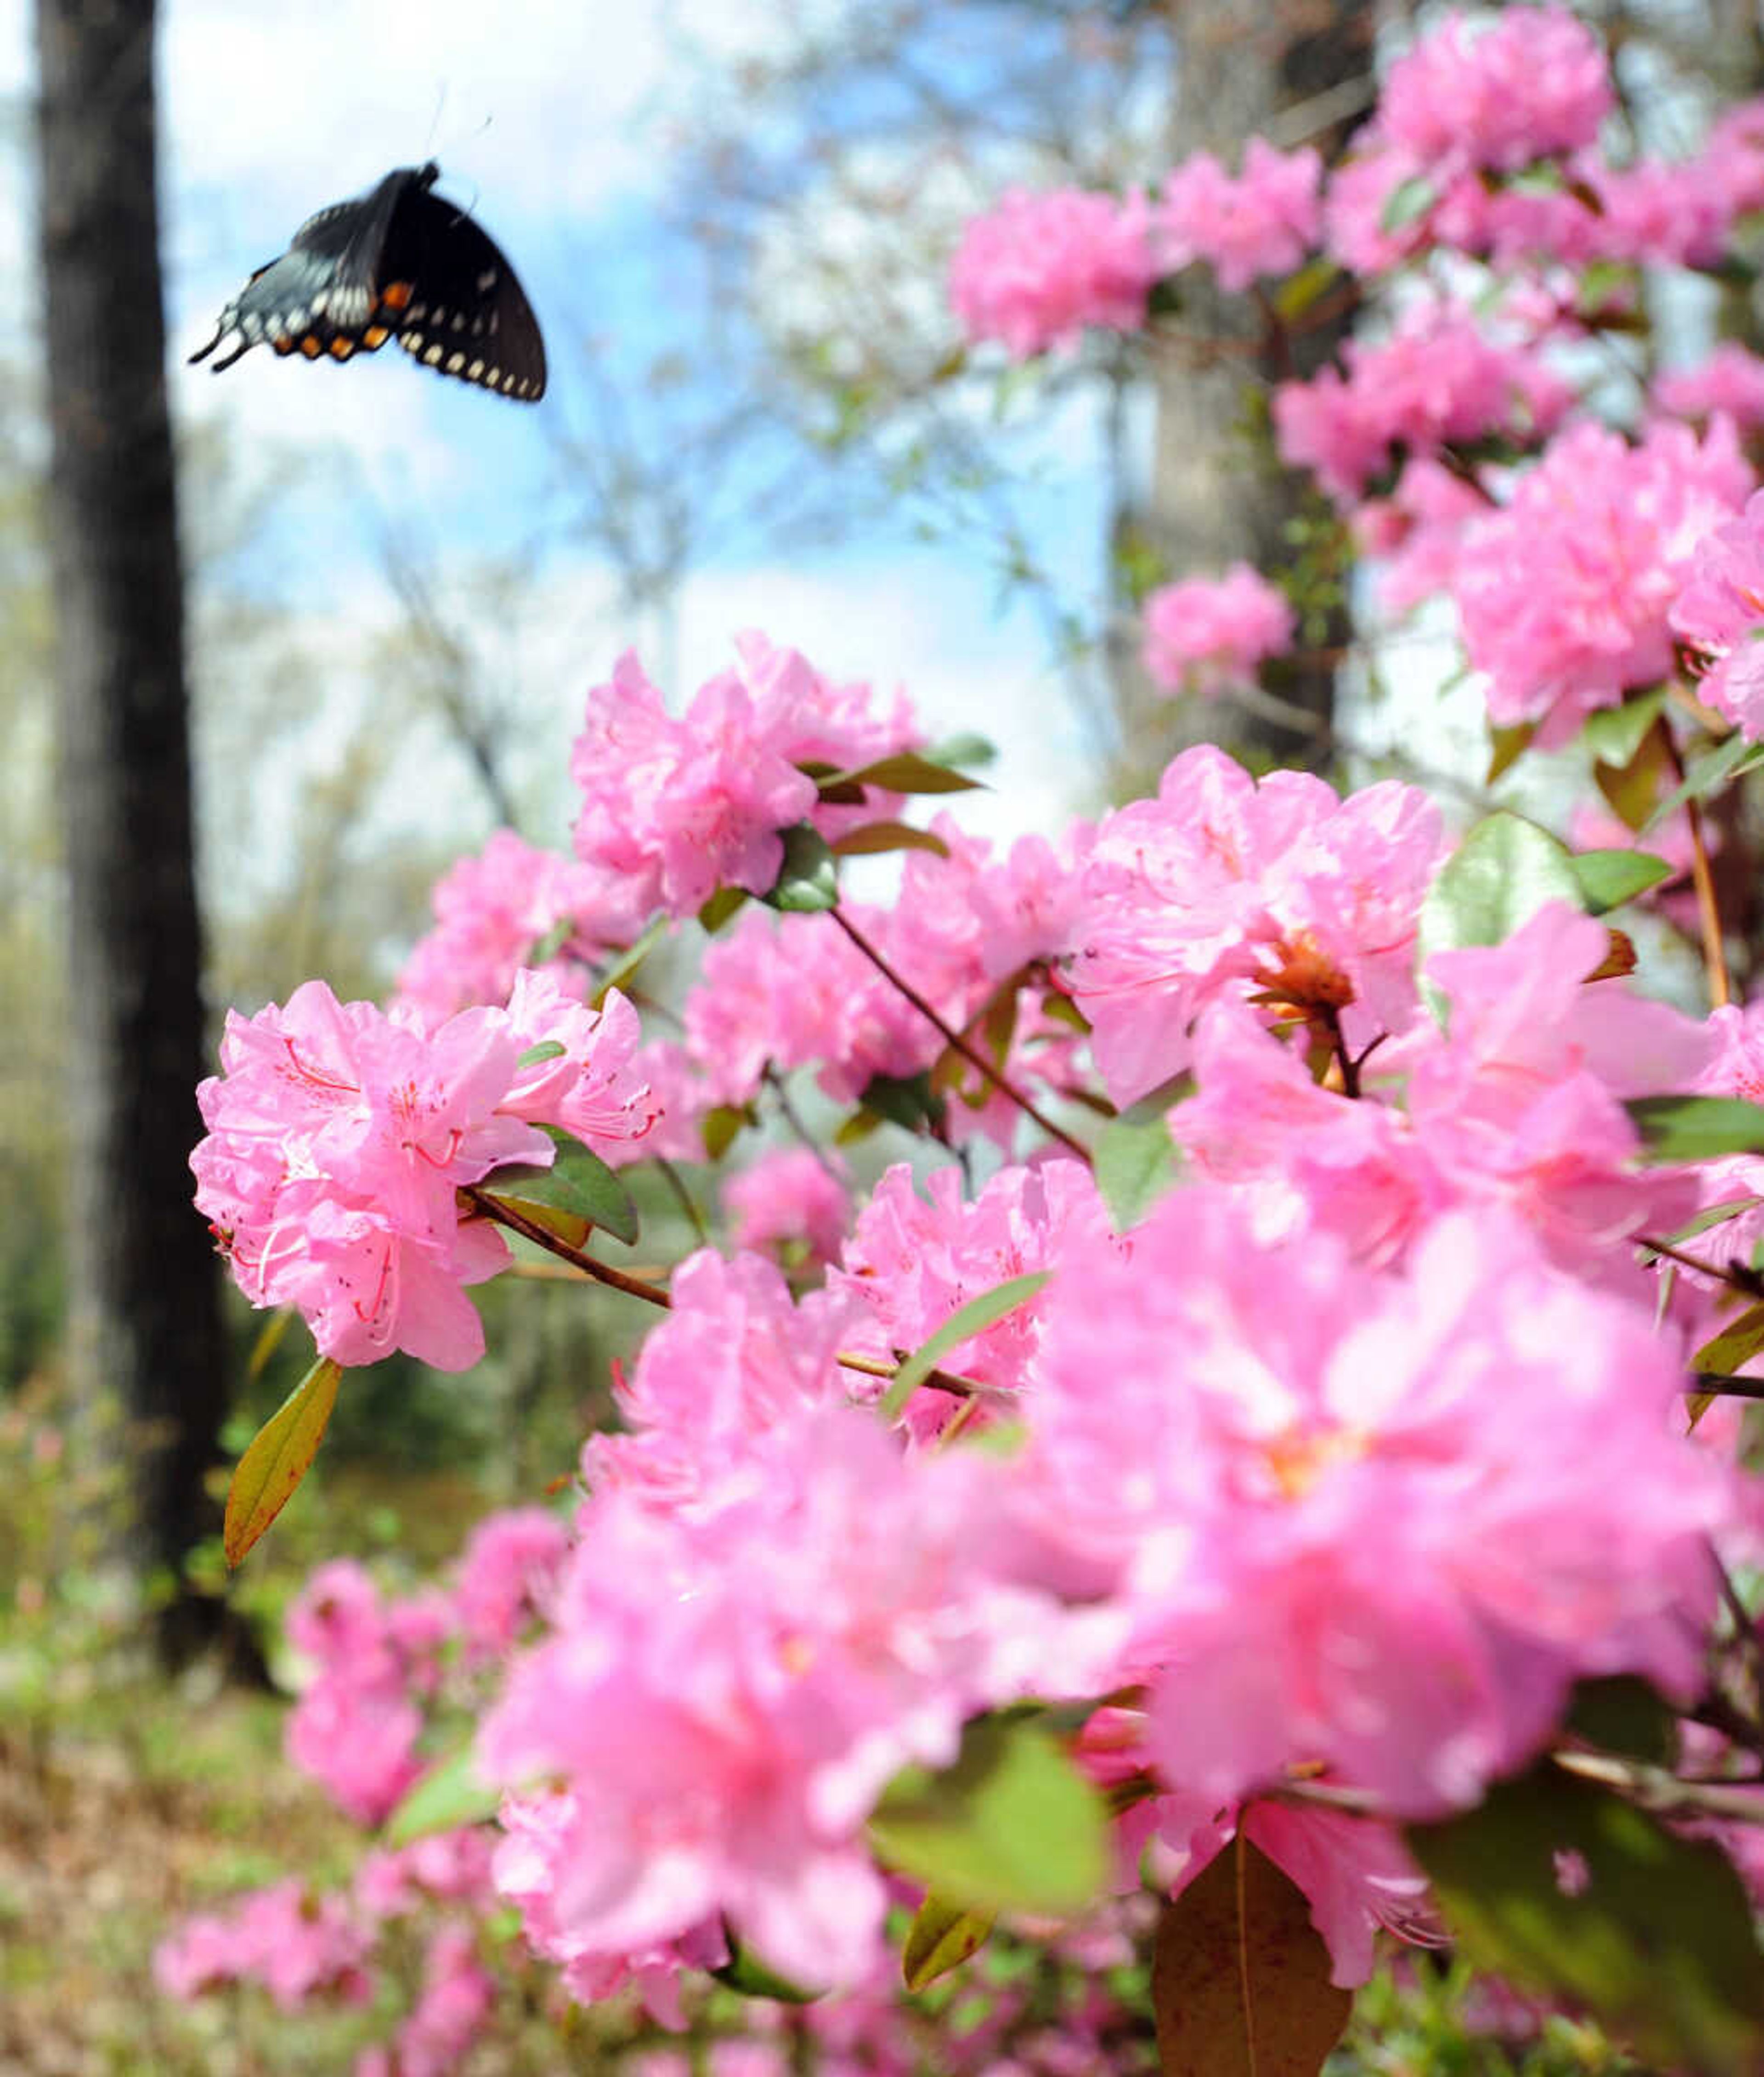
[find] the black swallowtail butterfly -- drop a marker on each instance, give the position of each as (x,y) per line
(396,262)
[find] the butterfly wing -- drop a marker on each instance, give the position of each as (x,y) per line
(467,315)
(328,293)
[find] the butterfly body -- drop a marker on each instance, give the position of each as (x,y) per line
(395,262)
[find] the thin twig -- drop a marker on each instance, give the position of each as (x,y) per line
(1703,880)
(970,1054)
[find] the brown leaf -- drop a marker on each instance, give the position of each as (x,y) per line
(1241,1977)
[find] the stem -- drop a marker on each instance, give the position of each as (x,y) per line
(653,1294)
(1748,1283)
(775,1082)
(970,1054)
(504,1215)
(683,1197)
(1703,880)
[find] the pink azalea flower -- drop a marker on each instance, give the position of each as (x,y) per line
(1533,84)
(1719,614)
(1207,634)
(508,1564)
(491,914)
(339,1138)
(1440,379)
(1036,270)
(1728,379)
(1375,1520)
(1566,594)
(685,807)
(1263,223)
(788,1200)
(911,1262)
(1224,886)
(727,1691)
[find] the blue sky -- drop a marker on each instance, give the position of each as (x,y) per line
(544,114)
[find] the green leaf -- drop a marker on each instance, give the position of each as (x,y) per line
(874,837)
(1241,1976)
(905,1100)
(726,902)
(962,750)
(579,1182)
(1506,747)
(722,1126)
(941,1937)
(1502,873)
(962,1325)
(1407,202)
(1615,734)
(807,880)
(1135,1162)
(1658,1943)
(1607,879)
(906,771)
(269,1340)
(1697,1128)
(1012,1826)
(628,961)
(552,944)
(1296,294)
(746,1973)
(1711,1216)
(451,1794)
(1738,1341)
(278,1458)
(1707,774)
(1621,1713)
(547,1049)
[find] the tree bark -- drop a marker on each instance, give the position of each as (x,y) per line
(146,1345)
(1209,504)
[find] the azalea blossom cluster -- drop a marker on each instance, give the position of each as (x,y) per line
(1206,634)
(679,808)
(1334,1432)
(339,1138)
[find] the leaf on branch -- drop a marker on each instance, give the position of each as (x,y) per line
(1656,1939)
(578,1184)
(878,837)
(1135,1162)
(808,880)
(277,1458)
(1012,1826)
(962,750)
(963,1325)
(628,961)
(1241,1976)
(909,1100)
(1709,774)
(1407,202)
(906,771)
(1616,734)
(1506,869)
(1607,879)
(1506,747)
(726,902)
(721,1126)
(1738,1341)
(941,1937)
(746,1973)
(1697,1128)
(451,1794)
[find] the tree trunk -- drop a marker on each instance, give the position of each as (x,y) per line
(145,1345)
(1211,501)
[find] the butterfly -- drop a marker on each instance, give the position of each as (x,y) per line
(395,262)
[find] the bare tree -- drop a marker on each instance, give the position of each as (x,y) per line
(145,1327)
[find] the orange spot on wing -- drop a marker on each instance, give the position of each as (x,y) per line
(375,337)
(311,346)
(396,294)
(342,348)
